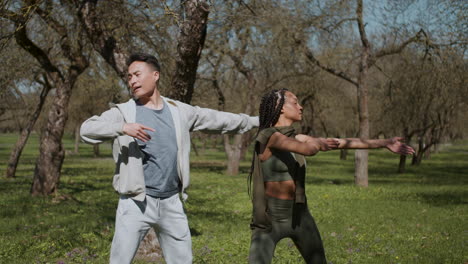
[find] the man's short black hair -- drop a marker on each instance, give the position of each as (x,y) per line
(150,59)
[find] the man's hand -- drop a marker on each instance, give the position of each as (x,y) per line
(137,131)
(329,143)
(396,145)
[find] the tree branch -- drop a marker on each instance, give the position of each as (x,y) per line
(361,25)
(310,56)
(23,41)
(397,49)
(61,31)
(104,43)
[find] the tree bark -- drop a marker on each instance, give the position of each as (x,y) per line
(194,147)
(51,151)
(189,47)
(77,140)
(361,155)
(96,150)
(402,164)
(23,139)
(102,41)
(343,154)
(233,152)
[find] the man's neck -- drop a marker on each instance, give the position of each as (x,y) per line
(154,101)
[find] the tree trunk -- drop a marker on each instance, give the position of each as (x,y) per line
(246,141)
(402,164)
(149,249)
(417,157)
(361,159)
(51,151)
(427,153)
(343,154)
(233,152)
(189,48)
(96,150)
(194,147)
(361,155)
(77,140)
(23,139)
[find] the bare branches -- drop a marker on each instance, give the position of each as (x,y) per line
(104,43)
(310,56)
(43,59)
(391,50)
(248,7)
(361,26)
(333,27)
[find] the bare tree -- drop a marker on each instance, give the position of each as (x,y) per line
(23,88)
(367,58)
(62,74)
(26,131)
(244,58)
(426,107)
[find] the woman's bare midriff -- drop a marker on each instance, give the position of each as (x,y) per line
(283,190)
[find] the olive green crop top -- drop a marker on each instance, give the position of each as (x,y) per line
(282,165)
(279,167)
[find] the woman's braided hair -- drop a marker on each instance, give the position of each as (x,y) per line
(269,113)
(270,108)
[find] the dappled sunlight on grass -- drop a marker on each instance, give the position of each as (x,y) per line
(415,217)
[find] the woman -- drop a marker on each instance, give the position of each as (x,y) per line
(278,175)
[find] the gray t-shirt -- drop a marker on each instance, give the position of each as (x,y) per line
(160,152)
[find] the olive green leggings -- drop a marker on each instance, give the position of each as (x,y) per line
(301,228)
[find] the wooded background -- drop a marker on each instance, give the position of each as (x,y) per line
(360,68)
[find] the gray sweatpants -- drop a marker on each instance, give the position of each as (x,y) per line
(167,217)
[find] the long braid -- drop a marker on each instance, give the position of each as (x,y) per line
(269,113)
(270,108)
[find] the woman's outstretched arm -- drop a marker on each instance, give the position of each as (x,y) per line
(395,144)
(302,144)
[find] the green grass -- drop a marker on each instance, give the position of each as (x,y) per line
(416,217)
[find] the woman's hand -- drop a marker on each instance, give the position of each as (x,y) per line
(396,145)
(330,143)
(323,144)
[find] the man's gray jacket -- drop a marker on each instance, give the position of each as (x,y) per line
(129,179)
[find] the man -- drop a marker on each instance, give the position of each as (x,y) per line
(151,145)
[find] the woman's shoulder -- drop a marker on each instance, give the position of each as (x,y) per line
(265,134)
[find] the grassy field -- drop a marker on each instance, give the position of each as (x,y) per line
(417,217)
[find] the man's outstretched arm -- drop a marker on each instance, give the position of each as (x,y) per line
(213,121)
(97,129)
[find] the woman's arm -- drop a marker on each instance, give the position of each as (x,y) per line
(302,144)
(395,144)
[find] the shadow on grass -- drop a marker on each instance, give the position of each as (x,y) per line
(444,198)
(327,181)
(217,167)
(79,187)
(194,232)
